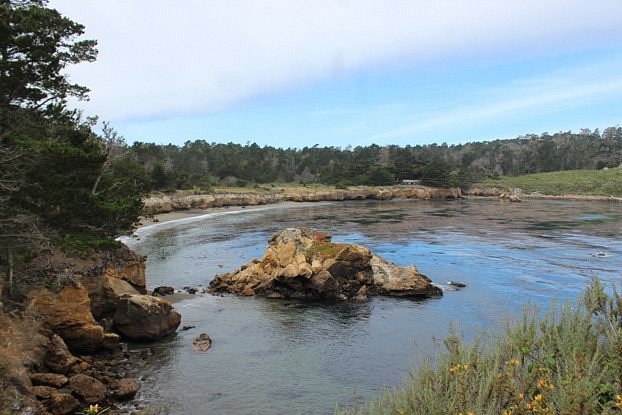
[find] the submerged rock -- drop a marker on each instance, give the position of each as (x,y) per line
(305,264)
(202,343)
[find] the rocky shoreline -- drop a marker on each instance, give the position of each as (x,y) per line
(517,194)
(169,202)
(64,348)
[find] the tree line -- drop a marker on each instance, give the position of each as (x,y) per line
(199,164)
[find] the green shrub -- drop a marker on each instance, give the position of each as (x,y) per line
(567,362)
(84,245)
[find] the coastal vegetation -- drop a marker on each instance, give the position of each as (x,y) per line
(567,361)
(572,182)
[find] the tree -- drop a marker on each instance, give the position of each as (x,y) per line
(36,45)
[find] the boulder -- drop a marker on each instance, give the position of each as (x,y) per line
(43,392)
(306,264)
(105,291)
(393,280)
(68,313)
(143,317)
(126,389)
(163,290)
(62,403)
(88,388)
(54,380)
(111,341)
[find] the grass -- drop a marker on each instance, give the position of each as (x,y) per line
(567,362)
(570,182)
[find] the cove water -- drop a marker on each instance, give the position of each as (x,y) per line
(288,357)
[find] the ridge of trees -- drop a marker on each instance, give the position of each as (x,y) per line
(202,164)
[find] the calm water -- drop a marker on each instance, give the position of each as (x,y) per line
(282,357)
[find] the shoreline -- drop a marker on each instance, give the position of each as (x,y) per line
(181,207)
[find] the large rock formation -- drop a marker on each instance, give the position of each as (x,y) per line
(68,313)
(305,264)
(143,317)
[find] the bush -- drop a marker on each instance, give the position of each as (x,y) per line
(567,362)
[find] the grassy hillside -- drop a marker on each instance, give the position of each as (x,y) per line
(575,182)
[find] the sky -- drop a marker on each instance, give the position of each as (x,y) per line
(296,73)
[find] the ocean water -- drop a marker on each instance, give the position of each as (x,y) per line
(286,357)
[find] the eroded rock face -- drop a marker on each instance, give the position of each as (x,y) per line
(68,313)
(143,317)
(305,264)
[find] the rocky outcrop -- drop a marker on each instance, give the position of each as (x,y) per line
(306,264)
(68,313)
(162,203)
(118,273)
(147,318)
(202,343)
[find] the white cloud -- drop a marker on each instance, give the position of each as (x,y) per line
(164,58)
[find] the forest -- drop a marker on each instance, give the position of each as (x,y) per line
(199,164)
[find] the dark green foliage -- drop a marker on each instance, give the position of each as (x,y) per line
(196,163)
(60,183)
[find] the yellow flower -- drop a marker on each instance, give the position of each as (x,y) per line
(512,362)
(537,398)
(618,401)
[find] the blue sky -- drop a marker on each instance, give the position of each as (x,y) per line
(338,73)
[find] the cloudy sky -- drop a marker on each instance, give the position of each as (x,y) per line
(295,73)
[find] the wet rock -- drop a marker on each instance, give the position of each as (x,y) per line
(187,327)
(54,380)
(91,390)
(191,290)
(456,284)
(126,389)
(67,313)
(202,343)
(62,403)
(163,290)
(143,317)
(306,264)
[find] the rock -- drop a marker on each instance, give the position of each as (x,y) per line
(62,403)
(187,327)
(361,295)
(59,359)
(191,290)
(68,314)
(305,264)
(111,341)
(457,284)
(43,392)
(163,290)
(393,280)
(202,343)
(54,380)
(143,317)
(88,388)
(105,291)
(126,389)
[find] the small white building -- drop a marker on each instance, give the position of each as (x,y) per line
(409,182)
